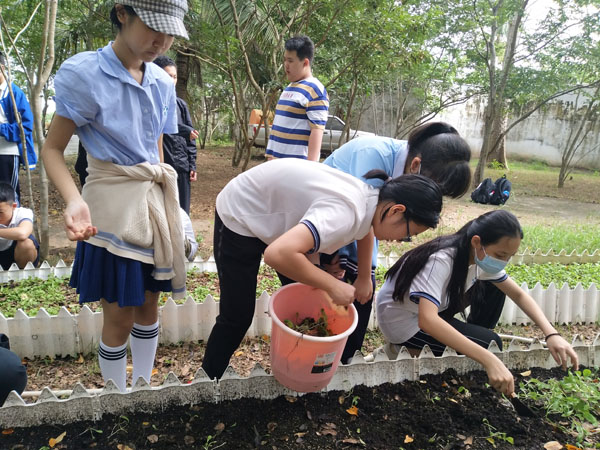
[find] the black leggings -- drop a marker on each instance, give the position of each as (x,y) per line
(478,334)
(238,260)
(487,303)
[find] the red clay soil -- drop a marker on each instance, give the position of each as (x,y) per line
(427,414)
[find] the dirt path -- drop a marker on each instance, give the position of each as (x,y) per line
(215,170)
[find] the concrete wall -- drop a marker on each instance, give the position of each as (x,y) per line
(541,136)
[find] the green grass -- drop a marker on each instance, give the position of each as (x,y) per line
(33,294)
(569,237)
(537,178)
(571,274)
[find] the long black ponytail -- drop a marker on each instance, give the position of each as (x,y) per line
(490,227)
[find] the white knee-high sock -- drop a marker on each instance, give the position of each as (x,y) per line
(113,363)
(143,342)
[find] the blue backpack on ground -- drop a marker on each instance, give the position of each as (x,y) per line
(492,193)
(501,193)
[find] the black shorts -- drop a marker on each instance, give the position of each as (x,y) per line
(7,257)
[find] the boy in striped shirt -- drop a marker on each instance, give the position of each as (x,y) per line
(301,112)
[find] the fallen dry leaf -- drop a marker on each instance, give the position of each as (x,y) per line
(526,373)
(145,424)
(300,434)
(328,432)
(185,370)
(291,399)
(341,399)
(353,410)
(123,447)
(238,353)
(80,360)
(8,431)
(461,436)
(128,369)
(444,384)
(189,440)
(154,372)
(153,439)
(552,445)
(57,440)
(351,441)
(408,439)
(453,401)
(572,447)
(271,426)
(219,427)
(423,381)
(468,441)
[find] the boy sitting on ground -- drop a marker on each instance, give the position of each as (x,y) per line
(17,243)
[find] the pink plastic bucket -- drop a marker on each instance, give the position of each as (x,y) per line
(300,362)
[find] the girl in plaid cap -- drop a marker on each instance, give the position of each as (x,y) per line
(120,105)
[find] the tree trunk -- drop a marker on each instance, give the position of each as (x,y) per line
(498,153)
(183,74)
(45,63)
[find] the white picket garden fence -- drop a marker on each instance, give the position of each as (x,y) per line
(70,334)
(384,260)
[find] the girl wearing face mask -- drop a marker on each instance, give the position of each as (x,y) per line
(431,283)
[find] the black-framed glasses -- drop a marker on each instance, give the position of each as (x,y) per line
(408,237)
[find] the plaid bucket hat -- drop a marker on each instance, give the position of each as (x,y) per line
(165,16)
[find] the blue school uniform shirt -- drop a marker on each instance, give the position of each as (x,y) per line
(356,158)
(118,120)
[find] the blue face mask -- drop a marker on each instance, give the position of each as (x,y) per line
(489,264)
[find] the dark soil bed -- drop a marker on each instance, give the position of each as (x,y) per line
(432,413)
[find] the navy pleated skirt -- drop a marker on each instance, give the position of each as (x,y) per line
(98,274)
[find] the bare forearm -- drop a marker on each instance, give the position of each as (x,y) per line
(314,144)
(364,250)
(54,162)
(19,233)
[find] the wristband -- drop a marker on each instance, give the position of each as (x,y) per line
(550,335)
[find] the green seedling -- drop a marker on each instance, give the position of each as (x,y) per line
(310,326)
(575,398)
(496,435)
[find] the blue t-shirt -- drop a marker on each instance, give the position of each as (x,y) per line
(356,158)
(118,120)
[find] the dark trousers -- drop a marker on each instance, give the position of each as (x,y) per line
(185,190)
(238,260)
(487,302)
(355,340)
(9,173)
(13,375)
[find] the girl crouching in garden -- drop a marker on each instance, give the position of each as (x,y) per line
(429,284)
